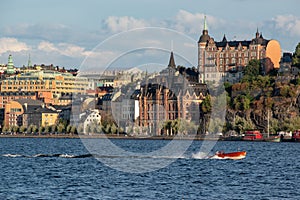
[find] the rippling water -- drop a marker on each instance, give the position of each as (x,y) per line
(33,168)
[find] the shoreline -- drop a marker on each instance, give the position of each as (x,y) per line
(102,136)
(126,137)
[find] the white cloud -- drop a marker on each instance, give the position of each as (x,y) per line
(65,49)
(12,45)
(118,24)
(288,23)
(193,22)
(46,46)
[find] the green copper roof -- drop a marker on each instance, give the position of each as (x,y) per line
(205,24)
(10,65)
(29,62)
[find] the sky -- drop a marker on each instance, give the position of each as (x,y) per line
(98,34)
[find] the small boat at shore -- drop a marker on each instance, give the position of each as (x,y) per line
(275,138)
(232,155)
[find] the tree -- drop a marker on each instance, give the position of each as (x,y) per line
(113,129)
(73,130)
(34,128)
(41,129)
(15,129)
(68,130)
(22,129)
(296,56)
(53,128)
(5,129)
(206,104)
(47,129)
(253,68)
(242,124)
(61,128)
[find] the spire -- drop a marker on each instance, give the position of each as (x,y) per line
(261,36)
(204,38)
(172,61)
(224,39)
(205,24)
(29,62)
(257,33)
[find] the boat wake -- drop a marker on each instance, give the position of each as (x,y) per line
(47,156)
(200,155)
(88,156)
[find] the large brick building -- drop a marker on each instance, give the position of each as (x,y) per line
(224,60)
(174,94)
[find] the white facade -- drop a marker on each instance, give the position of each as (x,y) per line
(93,117)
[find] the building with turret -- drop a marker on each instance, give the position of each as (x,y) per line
(175,93)
(224,60)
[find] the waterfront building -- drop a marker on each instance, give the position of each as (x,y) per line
(6,97)
(91,119)
(174,94)
(49,84)
(125,108)
(225,60)
(26,112)
(13,113)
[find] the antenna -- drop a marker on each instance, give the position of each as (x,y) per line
(172,45)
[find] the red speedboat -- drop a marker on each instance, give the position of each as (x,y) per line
(232,155)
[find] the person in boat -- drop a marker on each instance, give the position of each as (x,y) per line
(218,153)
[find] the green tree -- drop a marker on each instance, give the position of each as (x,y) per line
(242,125)
(206,104)
(15,129)
(73,130)
(34,128)
(53,128)
(47,129)
(284,91)
(113,129)
(22,129)
(61,128)
(80,129)
(107,128)
(41,129)
(253,68)
(69,127)
(5,129)
(296,56)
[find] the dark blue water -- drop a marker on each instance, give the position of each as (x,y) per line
(270,171)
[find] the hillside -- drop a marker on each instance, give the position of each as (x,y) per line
(254,98)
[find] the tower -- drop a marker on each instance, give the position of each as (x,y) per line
(204,38)
(29,64)
(172,61)
(10,65)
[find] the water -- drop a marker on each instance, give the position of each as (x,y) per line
(33,168)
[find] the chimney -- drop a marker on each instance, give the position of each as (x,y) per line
(43,105)
(25,104)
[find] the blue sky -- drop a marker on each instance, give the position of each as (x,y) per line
(63,33)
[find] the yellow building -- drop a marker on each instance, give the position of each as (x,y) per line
(57,83)
(49,117)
